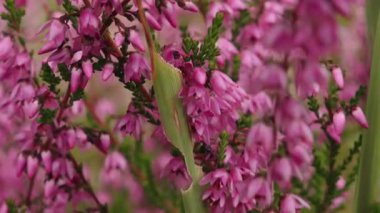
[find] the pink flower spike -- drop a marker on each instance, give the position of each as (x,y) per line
(87,68)
(107,71)
(359,116)
(32,166)
(338,77)
(339,120)
(136,41)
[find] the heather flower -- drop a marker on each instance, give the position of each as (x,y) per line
(175,171)
(136,41)
(359,116)
(136,68)
(281,172)
(338,77)
(55,37)
(292,203)
(88,23)
(131,123)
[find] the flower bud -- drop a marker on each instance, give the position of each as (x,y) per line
(338,77)
(50,188)
(47,160)
(200,76)
(107,71)
(190,6)
(75,81)
(88,23)
(282,172)
(153,22)
(105,142)
(339,121)
(341,183)
(333,133)
(217,82)
(32,166)
(359,116)
(20,165)
(87,68)
(135,40)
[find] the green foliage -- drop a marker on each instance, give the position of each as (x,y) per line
(313,104)
(208,49)
(243,20)
(369,176)
(245,121)
(47,116)
(12,208)
(71,10)
(64,72)
(355,150)
(48,76)
(13,14)
(77,95)
(159,193)
(235,68)
(221,153)
(358,96)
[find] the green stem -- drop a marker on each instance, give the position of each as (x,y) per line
(368,187)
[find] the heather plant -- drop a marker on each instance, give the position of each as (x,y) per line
(189,106)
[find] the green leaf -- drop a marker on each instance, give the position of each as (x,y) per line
(47,116)
(368,188)
(77,95)
(48,76)
(372,11)
(167,83)
(64,71)
(13,14)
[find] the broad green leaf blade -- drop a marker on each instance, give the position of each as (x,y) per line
(167,83)
(368,188)
(372,11)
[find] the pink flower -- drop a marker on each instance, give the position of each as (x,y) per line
(338,77)
(47,160)
(136,68)
(282,172)
(339,121)
(89,23)
(107,71)
(55,37)
(131,123)
(292,204)
(199,76)
(32,166)
(136,41)
(87,68)
(359,116)
(175,171)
